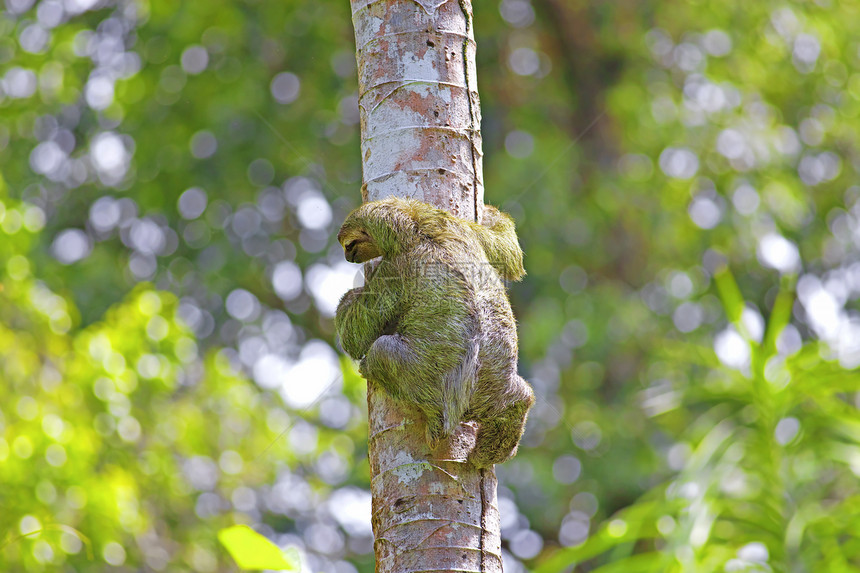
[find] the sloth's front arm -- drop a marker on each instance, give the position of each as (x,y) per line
(364,314)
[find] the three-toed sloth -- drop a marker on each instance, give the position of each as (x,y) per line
(432,325)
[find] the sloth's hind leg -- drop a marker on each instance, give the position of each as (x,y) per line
(438,388)
(393,363)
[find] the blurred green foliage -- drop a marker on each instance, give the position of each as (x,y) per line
(684,179)
(252,551)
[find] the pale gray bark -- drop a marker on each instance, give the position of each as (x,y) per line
(420,137)
(418,98)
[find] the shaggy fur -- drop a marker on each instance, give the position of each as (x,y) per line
(433,325)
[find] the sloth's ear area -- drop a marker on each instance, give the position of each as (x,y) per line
(415,209)
(408,211)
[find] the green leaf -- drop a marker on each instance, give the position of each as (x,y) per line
(730,294)
(637,522)
(641,562)
(252,551)
(780,315)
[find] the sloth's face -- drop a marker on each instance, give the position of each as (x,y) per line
(358,246)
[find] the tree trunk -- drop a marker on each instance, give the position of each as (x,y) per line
(420,137)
